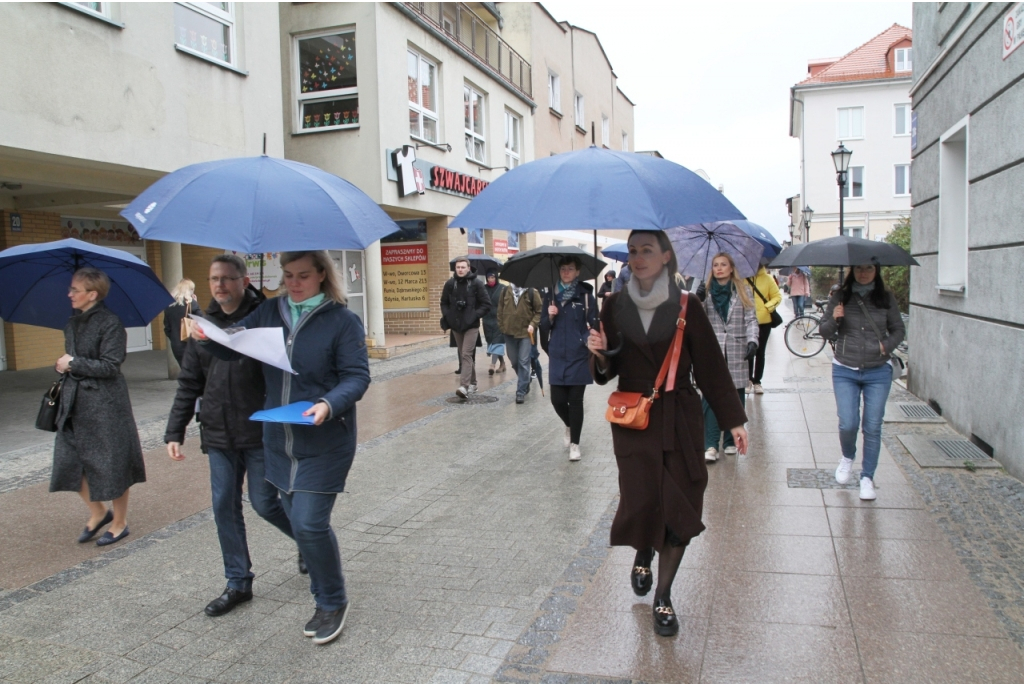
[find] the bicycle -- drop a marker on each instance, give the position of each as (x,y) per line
(802,336)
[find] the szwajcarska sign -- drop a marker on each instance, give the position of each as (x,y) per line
(414,176)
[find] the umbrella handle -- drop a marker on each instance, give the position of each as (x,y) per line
(615,351)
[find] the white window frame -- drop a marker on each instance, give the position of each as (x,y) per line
(417,107)
(849,184)
(513,129)
(108,12)
(227,18)
(906,180)
(579,113)
(555,242)
(896,119)
(606,130)
(625,141)
(849,133)
(304,98)
(906,56)
(470,134)
(849,231)
(954,195)
(554,92)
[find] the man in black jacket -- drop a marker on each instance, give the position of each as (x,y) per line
(230,392)
(464,301)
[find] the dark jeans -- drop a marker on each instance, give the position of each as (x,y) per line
(568,403)
(712,431)
(849,385)
(755,366)
(227,468)
(518,350)
(310,514)
(798,304)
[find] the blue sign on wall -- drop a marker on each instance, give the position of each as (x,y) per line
(913,130)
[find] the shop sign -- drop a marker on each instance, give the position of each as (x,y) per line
(410,173)
(404,267)
(271,268)
(1013,29)
(500,246)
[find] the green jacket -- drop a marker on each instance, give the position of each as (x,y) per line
(513,319)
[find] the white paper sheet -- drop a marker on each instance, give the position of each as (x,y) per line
(263,344)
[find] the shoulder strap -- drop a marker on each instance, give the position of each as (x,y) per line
(867,315)
(670,366)
(763,298)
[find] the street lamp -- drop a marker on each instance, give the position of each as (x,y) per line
(841,160)
(807,213)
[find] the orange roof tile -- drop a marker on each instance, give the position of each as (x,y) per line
(868,62)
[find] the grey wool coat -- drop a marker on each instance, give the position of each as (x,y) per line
(96,433)
(734,333)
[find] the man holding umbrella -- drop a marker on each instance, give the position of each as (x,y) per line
(464,301)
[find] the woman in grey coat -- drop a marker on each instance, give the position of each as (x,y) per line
(96,452)
(733,316)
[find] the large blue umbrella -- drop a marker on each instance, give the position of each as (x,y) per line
(761,235)
(617,251)
(595,189)
(34,281)
(258,204)
(696,245)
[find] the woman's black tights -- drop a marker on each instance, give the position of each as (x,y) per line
(568,403)
(668,564)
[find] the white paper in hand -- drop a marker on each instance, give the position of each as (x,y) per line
(262,344)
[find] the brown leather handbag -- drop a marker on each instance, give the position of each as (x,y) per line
(633,409)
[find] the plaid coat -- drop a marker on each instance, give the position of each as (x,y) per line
(734,333)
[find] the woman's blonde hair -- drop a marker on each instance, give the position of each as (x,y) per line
(184,291)
(333,285)
(94,280)
(742,288)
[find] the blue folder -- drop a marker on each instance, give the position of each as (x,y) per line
(289,413)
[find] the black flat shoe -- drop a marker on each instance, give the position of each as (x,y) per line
(88,534)
(665,622)
(302,566)
(226,602)
(641,577)
(109,538)
(331,624)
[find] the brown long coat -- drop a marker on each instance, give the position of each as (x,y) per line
(662,475)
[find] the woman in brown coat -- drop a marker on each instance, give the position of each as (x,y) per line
(662,475)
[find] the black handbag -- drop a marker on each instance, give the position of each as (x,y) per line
(46,420)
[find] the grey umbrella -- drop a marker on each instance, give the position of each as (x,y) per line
(843,251)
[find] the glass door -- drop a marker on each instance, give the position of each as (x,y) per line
(350,266)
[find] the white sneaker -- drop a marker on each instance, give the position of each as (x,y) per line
(711,455)
(867,489)
(472,389)
(574,452)
(462,392)
(843,471)
(750,388)
(731,449)
(758,390)
(568,440)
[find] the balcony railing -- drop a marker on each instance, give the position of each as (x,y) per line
(465,28)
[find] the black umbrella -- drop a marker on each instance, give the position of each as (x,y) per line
(538,267)
(843,251)
(480,262)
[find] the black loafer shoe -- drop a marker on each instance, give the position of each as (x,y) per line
(314,623)
(331,625)
(88,534)
(228,601)
(641,577)
(109,538)
(302,566)
(665,622)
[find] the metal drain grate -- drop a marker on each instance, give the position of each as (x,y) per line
(472,399)
(916,410)
(961,450)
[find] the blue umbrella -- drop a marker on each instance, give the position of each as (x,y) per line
(596,189)
(696,245)
(761,235)
(258,204)
(34,282)
(617,251)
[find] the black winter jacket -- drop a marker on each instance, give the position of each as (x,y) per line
(470,291)
(231,390)
(856,340)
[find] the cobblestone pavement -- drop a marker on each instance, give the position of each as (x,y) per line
(475,552)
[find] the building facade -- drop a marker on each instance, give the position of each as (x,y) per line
(967,326)
(862,101)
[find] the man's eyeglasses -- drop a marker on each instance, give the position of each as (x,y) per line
(217,280)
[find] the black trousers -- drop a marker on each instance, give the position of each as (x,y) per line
(568,403)
(755,366)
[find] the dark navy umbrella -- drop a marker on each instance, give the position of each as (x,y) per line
(34,281)
(480,262)
(595,189)
(538,268)
(618,251)
(761,235)
(258,204)
(844,250)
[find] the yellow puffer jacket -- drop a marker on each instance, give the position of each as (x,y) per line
(766,284)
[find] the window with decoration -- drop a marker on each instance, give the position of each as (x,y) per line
(328,94)
(205,29)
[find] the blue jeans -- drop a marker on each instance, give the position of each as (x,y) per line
(518,350)
(712,432)
(798,304)
(310,514)
(848,385)
(227,468)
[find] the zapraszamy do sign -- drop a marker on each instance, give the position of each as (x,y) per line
(404,266)
(1013,29)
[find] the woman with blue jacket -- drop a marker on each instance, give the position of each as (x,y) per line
(567,316)
(309,464)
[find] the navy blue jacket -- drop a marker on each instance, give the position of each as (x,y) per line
(328,350)
(569,359)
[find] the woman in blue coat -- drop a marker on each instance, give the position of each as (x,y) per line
(309,464)
(567,316)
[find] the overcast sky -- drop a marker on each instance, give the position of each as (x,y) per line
(711,82)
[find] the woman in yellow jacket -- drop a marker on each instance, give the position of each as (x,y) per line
(766,298)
